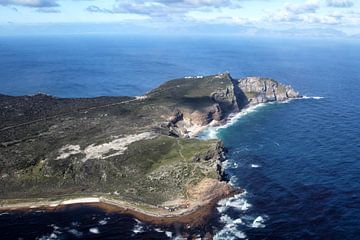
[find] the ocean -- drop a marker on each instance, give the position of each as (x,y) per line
(298,161)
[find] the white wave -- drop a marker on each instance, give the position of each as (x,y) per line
(258,222)
(238,202)
(103,221)
(228,220)
(48,237)
(225,164)
(169,234)
(230,230)
(230,163)
(233,180)
(241,204)
(314,97)
(94,230)
(211,132)
(139,227)
(4,213)
(255,165)
(158,230)
(55,227)
(75,232)
(286,101)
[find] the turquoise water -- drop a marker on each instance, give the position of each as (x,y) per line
(298,161)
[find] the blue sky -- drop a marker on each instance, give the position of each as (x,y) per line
(243,17)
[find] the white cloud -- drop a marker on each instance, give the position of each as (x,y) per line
(340,3)
(308,13)
(30,3)
(164,8)
(307,7)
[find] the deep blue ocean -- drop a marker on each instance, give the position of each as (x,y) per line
(299,161)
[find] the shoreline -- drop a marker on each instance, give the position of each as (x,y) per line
(193,216)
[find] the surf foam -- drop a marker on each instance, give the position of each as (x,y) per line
(94,230)
(139,227)
(312,97)
(237,202)
(211,132)
(258,222)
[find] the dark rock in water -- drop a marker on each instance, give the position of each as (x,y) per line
(139,150)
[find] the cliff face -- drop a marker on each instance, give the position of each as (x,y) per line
(138,150)
(262,90)
(220,96)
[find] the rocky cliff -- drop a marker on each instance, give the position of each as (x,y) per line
(262,90)
(214,98)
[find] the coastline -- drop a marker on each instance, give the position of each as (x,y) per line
(195,215)
(200,199)
(192,216)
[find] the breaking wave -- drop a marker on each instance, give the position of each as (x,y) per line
(212,131)
(94,230)
(314,97)
(138,228)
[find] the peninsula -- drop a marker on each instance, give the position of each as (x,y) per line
(137,155)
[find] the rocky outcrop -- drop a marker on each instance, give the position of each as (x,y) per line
(224,96)
(262,90)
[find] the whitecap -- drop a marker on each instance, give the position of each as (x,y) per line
(238,202)
(229,231)
(53,236)
(314,97)
(286,101)
(75,232)
(138,228)
(103,221)
(169,234)
(55,227)
(227,163)
(48,237)
(233,180)
(158,230)
(258,222)
(94,230)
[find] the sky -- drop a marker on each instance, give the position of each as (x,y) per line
(323,18)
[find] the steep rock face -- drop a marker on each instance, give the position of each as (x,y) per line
(261,90)
(216,97)
(193,102)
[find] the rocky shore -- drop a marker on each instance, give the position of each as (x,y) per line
(136,155)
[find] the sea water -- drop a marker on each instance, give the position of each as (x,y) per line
(299,161)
